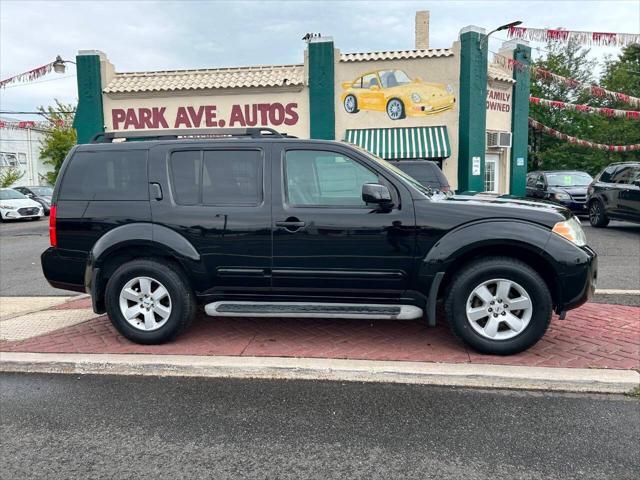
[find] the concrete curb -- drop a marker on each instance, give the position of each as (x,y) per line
(459,375)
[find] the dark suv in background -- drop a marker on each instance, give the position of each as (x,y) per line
(615,194)
(566,187)
(252,223)
(427,172)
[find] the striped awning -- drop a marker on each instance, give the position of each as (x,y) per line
(403,142)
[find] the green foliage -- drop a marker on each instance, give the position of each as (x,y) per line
(60,139)
(619,75)
(9,176)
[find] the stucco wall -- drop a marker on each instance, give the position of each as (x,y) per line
(26,145)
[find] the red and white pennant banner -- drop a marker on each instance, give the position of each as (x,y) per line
(584,143)
(606,112)
(28,76)
(510,64)
(36,125)
(583,38)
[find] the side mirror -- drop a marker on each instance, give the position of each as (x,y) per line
(636,183)
(30,195)
(540,186)
(378,194)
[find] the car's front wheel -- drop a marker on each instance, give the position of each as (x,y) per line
(597,216)
(499,305)
(395,109)
(149,302)
(351,104)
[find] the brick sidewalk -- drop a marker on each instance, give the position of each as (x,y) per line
(593,336)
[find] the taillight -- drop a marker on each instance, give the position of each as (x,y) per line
(53,238)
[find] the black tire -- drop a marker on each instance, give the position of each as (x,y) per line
(402,113)
(597,216)
(355,104)
(474,274)
(183,301)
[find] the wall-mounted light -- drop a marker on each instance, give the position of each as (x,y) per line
(59,64)
(482,42)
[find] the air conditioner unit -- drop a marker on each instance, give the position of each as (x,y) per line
(498,139)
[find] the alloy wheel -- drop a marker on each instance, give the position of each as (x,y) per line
(395,109)
(145,303)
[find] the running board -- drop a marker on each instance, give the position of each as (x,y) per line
(313,310)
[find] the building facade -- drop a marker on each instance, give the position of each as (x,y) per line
(446,105)
(20,149)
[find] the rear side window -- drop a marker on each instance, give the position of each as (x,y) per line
(106,175)
(217,177)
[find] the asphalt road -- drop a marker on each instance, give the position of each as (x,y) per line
(85,427)
(21,244)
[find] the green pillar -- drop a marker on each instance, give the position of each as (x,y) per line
(322,115)
(473,110)
(88,119)
(520,122)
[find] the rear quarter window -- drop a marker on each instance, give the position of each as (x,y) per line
(106,175)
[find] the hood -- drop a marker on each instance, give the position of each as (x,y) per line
(20,202)
(421,88)
(479,206)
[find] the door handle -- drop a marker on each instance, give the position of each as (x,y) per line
(291,224)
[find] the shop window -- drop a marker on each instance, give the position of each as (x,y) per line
(8,159)
(325,179)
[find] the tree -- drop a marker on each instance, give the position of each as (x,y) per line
(9,176)
(571,60)
(59,139)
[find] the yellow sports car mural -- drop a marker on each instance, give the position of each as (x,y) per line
(392,91)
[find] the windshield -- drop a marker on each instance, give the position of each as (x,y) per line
(393,78)
(42,191)
(9,194)
(390,166)
(568,179)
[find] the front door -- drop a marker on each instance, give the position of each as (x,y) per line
(491,173)
(326,241)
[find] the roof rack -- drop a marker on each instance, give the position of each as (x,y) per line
(187,133)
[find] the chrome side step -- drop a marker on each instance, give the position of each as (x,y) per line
(313,310)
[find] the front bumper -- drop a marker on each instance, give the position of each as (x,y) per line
(26,213)
(578,283)
(431,107)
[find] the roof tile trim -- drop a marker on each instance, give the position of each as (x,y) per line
(396,55)
(205,79)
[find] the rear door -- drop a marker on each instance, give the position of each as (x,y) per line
(326,240)
(217,197)
(629,195)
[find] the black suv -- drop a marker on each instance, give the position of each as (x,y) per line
(615,194)
(253,223)
(566,187)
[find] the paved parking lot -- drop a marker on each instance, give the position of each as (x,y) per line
(22,243)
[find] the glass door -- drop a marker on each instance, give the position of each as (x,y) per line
(491,173)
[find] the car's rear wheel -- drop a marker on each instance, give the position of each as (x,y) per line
(395,109)
(597,216)
(351,104)
(499,305)
(149,302)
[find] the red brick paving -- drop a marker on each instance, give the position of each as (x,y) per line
(595,335)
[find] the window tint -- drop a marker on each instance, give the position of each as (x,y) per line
(531,180)
(185,176)
(370,80)
(606,174)
(106,175)
(321,178)
(623,174)
(232,177)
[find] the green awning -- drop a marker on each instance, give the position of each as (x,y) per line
(403,142)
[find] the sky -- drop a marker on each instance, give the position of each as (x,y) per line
(166,35)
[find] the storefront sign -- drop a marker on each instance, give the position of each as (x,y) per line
(239,115)
(498,100)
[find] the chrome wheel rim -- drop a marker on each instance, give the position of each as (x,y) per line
(145,303)
(499,309)
(595,213)
(350,104)
(394,109)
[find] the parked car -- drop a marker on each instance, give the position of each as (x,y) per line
(14,205)
(566,187)
(41,194)
(615,194)
(265,225)
(392,91)
(427,172)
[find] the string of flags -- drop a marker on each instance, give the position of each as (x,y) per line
(575,107)
(510,64)
(28,76)
(31,124)
(584,143)
(583,38)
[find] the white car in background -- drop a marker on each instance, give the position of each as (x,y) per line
(15,205)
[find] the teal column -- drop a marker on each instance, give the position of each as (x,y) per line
(520,122)
(89,119)
(322,115)
(473,112)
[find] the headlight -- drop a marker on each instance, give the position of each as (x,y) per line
(571,230)
(449,89)
(415,98)
(561,196)
(8,207)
